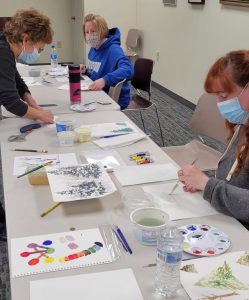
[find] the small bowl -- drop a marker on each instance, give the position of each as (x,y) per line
(66,138)
(83,134)
(148,223)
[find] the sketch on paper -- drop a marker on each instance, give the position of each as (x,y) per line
(189,268)
(60,160)
(79,182)
(244,259)
(222,278)
(219,277)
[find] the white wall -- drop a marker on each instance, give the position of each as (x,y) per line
(118,13)
(189,38)
(59,12)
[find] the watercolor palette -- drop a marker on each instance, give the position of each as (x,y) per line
(83,107)
(204,240)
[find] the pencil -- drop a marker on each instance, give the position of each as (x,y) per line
(50,209)
(36,168)
(30,150)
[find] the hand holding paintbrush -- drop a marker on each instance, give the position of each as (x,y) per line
(180,173)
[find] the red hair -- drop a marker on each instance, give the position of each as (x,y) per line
(228,71)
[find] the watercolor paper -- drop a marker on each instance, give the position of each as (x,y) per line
(58,251)
(220,277)
(61,160)
(78,182)
(179,205)
(132,175)
(111,285)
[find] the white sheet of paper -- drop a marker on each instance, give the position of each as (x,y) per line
(61,160)
(107,129)
(79,182)
(108,158)
(131,175)
(179,205)
(205,266)
(83,85)
(119,141)
(111,285)
(56,249)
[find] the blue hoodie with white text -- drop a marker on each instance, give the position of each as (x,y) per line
(110,63)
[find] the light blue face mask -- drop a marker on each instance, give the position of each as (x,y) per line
(29,58)
(232,111)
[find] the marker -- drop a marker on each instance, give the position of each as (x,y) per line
(123,239)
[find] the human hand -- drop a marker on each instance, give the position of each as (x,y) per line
(97,85)
(46,116)
(82,68)
(192,178)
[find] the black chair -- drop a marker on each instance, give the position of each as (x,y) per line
(141,81)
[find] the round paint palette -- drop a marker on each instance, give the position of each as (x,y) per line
(204,240)
(83,107)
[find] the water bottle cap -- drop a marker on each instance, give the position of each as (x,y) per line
(52,46)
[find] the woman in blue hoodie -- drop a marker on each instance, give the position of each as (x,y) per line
(107,63)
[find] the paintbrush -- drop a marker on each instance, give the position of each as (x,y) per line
(36,168)
(176,184)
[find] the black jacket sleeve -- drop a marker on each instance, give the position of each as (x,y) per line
(12,86)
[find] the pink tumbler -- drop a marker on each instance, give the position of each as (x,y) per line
(74,84)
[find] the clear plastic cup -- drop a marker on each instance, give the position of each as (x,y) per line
(66,138)
(64,124)
(83,134)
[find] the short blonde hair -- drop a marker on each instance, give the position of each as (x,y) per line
(31,22)
(100,23)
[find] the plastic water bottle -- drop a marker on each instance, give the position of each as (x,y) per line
(54,57)
(169,256)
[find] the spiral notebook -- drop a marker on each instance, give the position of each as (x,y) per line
(58,251)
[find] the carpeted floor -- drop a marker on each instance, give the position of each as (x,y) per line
(174,118)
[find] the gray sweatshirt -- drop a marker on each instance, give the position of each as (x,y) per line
(229,197)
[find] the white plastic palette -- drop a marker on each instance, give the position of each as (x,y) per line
(83,107)
(204,240)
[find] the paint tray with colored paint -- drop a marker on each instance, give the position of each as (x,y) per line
(204,240)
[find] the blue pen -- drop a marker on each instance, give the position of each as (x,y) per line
(118,237)
(112,135)
(123,239)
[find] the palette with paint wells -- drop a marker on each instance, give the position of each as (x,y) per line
(204,240)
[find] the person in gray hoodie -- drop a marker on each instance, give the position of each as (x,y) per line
(228,191)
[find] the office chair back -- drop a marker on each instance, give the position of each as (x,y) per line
(132,38)
(114,91)
(207,120)
(141,80)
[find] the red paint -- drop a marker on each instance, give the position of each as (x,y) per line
(197,251)
(33,262)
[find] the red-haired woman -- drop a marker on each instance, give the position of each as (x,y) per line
(228,191)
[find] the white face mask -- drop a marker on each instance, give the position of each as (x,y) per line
(93,40)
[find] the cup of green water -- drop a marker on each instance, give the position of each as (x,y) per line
(148,223)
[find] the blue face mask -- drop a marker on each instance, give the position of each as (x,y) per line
(232,111)
(29,58)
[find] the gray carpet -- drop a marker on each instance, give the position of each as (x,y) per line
(174,118)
